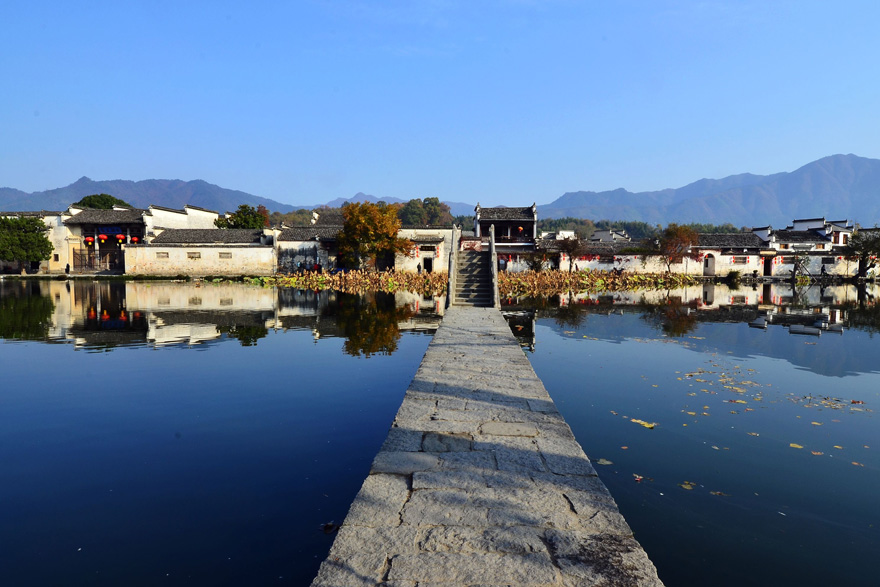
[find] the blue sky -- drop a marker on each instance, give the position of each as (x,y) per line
(502,102)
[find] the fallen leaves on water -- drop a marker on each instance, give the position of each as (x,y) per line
(624,447)
(858,464)
(838,447)
(795,445)
(816,423)
(720,493)
(649,425)
(689,485)
(753,434)
(637,478)
(856,401)
(817,453)
(604,462)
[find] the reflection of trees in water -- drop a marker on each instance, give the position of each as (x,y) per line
(247,335)
(674,318)
(25,313)
(572,314)
(369,322)
(865,315)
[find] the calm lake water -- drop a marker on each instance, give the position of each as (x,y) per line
(170,434)
(183,434)
(763,465)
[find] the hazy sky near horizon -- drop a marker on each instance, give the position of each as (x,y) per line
(497,101)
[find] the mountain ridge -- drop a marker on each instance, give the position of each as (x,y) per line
(843,186)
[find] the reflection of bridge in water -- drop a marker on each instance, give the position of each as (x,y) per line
(106,314)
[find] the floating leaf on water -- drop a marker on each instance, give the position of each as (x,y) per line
(720,493)
(689,485)
(649,425)
(654,385)
(816,423)
(715,447)
(604,462)
(753,434)
(838,447)
(691,413)
(624,447)
(817,453)
(858,464)
(637,478)
(795,445)
(856,401)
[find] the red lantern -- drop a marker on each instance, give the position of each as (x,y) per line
(102,237)
(120,237)
(134,239)
(90,240)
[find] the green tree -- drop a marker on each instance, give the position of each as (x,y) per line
(675,245)
(413,213)
(369,233)
(102,202)
(864,246)
(24,239)
(245,217)
(437,211)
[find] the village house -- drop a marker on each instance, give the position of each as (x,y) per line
(88,240)
(204,251)
(516,231)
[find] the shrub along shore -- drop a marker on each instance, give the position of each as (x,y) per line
(529,283)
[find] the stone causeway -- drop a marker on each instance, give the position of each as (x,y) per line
(480,482)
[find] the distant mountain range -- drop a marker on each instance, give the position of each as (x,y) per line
(836,187)
(170,193)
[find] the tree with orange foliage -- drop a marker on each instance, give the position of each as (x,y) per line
(676,244)
(369,235)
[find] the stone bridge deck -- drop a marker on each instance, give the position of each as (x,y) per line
(481,482)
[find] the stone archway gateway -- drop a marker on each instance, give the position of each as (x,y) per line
(709,265)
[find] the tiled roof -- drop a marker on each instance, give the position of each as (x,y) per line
(734,240)
(799,236)
(526,213)
(428,226)
(39,214)
(208,236)
(605,248)
(92,216)
(332,217)
(310,233)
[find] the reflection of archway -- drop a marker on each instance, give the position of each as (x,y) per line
(709,266)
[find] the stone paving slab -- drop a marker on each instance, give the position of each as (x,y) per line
(481,483)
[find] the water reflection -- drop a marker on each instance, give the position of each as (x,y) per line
(102,315)
(775,309)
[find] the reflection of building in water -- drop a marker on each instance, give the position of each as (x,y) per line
(808,310)
(101,314)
